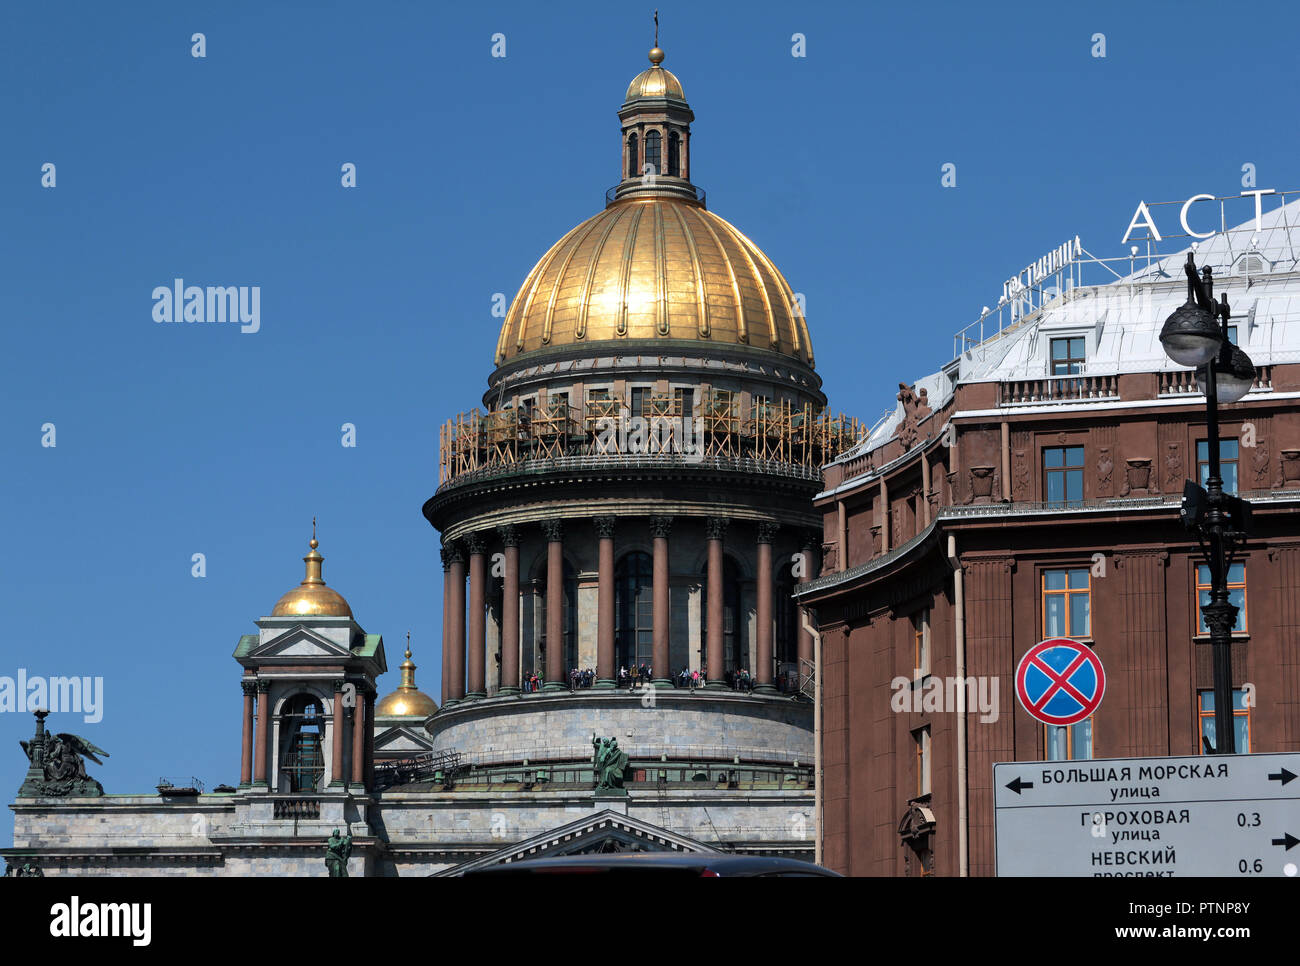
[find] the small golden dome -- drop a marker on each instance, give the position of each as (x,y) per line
(407,700)
(655,82)
(312,598)
(655,268)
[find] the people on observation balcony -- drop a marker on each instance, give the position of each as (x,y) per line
(581,677)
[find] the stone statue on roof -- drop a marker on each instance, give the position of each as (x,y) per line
(57,767)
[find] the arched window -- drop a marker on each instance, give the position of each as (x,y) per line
(634,612)
(633,158)
(652,151)
(674,155)
(570,624)
(785,613)
(302,755)
(735,643)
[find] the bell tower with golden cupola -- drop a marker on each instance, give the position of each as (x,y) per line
(656,125)
(309,694)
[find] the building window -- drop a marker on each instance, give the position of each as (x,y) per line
(1069,742)
(785,617)
(1228,452)
(1240,719)
(1232,334)
(302,727)
(1236,595)
(921,738)
(633,159)
(921,643)
(568,620)
(634,612)
(1068,356)
(1067,603)
(529,634)
(639,396)
(685,401)
(674,155)
(652,152)
(1063,474)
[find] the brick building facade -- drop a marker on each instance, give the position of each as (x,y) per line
(1030,489)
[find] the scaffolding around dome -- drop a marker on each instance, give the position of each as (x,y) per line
(769,431)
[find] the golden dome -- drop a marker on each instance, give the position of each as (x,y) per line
(312,598)
(655,82)
(655,267)
(407,700)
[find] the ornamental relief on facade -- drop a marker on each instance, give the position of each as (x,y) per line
(1138,478)
(983,484)
(916,407)
(1020,475)
(1105,472)
(1259,464)
(1288,469)
(1173,467)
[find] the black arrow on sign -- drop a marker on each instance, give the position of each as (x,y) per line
(1288,840)
(1282,776)
(1016,784)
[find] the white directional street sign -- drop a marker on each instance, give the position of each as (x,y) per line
(1217,815)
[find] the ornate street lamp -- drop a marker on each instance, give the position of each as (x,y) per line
(1233,371)
(1191,336)
(1196,334)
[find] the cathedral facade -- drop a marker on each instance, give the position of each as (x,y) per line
(622,528)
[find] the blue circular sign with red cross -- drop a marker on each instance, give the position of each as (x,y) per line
(1060,681)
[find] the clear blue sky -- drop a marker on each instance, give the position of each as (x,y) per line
(174,439)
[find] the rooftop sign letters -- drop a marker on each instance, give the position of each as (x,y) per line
(1142,218)
(1048,265)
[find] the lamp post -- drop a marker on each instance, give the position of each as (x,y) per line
(1196,334)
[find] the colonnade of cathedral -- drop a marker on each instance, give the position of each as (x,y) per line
(469,577)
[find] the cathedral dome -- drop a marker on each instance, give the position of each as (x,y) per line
(657,267)
(655,81)
(407,700)
(312,598)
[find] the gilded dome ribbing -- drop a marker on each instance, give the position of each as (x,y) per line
(655,268)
